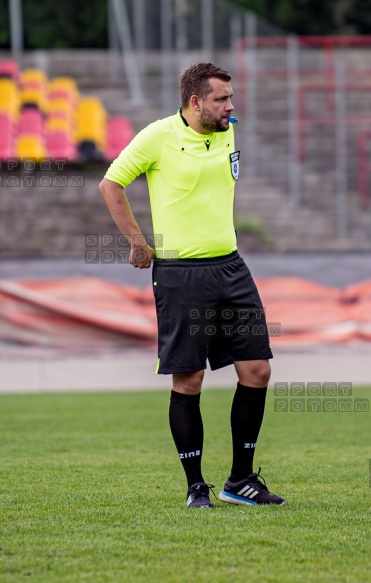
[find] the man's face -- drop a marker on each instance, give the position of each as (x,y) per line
(216,107)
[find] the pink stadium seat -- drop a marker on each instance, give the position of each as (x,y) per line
(6,136)
(6,124)
(9,69)
(5,152)
(119,134)
(119,123)
(58,145)
(31,122)
(61,94)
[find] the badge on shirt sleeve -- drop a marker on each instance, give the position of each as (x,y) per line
(235,164)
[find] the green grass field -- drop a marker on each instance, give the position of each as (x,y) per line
(92,491)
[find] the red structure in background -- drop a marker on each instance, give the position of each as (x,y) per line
(328,44)
(93,313)
(363,167)
(329,117)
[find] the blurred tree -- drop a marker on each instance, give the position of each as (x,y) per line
(59,25)
(314,16)
(4,24)
(358,16)
(83,24)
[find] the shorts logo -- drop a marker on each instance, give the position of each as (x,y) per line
(235,164)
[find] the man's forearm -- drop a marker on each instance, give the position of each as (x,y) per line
(119,207)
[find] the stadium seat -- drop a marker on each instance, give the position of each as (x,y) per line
(6,126)
(9,98)
(61,125)
(91,120)
(6,136)
(31,121)
(9,69)
(91,104)
(59,146)
(33,78)
(119,134)
(40,118)
(60,104)
(30,147)
(91,131)
(60,109)
(62,115)
(33,98)
(91,123)
(64,88)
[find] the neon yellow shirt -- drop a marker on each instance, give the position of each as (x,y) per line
(190,183)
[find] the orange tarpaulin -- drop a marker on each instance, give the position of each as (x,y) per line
(308,312)
(359,297)
(75,312)
(91,312)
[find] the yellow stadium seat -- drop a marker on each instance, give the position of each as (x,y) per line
(91,131)
(59,104)
(35,97)
(91,121)
(60,108)
(90,134)
(89,103)
(60,124)
(9,98)
(66,85)
(30,147)
(92,108)
(33,76)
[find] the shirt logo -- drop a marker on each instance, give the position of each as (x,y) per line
(235,164)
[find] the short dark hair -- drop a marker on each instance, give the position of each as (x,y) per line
(195,81)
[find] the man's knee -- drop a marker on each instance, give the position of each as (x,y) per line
(253,373)
(262,372)
(189,383)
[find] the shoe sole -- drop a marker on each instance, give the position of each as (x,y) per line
(233,499)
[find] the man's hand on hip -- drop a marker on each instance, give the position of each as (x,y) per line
(141,256)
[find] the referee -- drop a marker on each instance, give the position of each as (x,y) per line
(207,304)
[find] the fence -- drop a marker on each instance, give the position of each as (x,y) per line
(301,102)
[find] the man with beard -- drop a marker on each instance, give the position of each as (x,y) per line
(207,304)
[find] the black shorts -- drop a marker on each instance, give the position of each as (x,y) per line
(207,309)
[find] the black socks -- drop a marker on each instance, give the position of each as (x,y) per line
(188,433)
(246,419)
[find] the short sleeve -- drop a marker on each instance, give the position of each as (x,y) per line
(141,155)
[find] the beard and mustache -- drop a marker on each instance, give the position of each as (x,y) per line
(209,123)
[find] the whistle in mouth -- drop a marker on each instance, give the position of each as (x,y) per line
(232,119)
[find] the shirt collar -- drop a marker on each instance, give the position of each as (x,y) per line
(183,118)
